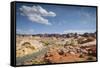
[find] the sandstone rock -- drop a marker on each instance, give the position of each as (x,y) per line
(73,53)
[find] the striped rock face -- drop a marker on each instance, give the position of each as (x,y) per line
(28,46)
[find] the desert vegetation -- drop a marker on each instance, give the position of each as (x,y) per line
(55,48)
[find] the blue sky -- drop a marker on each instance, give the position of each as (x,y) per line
(43,18)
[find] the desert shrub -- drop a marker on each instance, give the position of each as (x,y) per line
(86,34)
(35,62)
(38,62)
(80,40)
(81,56)
(67,43)
(46,60)
(61,52)
(46,43)
(90,58)
(92,52)
(74,42)
(71,42)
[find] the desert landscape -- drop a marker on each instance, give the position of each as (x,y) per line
(52,34)
(55,48)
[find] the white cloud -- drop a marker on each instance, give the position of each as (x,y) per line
(39,19)
(29,31)
(37,14)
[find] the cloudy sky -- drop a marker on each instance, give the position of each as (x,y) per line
(43,18)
